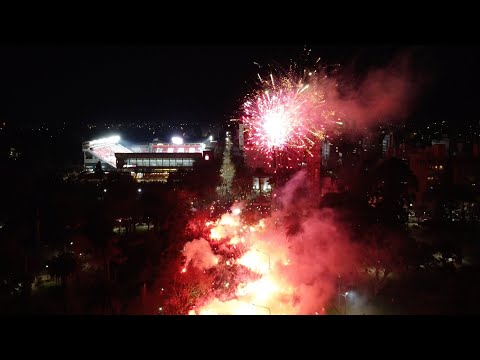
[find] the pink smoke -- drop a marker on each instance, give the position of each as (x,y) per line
(296,272)
(385,94)
(199,253)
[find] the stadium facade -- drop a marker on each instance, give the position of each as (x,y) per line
(154,160)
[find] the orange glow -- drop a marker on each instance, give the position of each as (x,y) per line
(271,293)
(255,261)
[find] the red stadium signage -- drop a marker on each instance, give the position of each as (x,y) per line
(175,149)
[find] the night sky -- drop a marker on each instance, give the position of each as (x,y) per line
(56,83)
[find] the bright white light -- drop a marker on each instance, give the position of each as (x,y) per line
(211,138)
(46,266)
(104,190)
(109,140)
(207,157)
(236,211)
(71,242)
(346,293)
(177,140)
(139,190)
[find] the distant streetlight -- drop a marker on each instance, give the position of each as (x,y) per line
(346,299)
(139,190)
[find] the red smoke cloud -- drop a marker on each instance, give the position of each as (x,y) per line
(384,94)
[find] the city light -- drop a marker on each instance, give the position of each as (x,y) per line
(139,190)
(207,157)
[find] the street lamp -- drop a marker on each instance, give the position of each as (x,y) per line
(269,311)
(346,298)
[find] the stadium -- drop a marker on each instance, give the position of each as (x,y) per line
(150,161)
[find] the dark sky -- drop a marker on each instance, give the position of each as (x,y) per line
(164,82)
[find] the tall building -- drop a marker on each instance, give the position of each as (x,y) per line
(388,145)
(314,161)
(429,167)
(240,136)
(325,151)
(443,141)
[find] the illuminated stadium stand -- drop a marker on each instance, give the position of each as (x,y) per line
(102,150)
(155,160)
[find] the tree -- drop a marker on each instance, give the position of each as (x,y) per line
(98,170)
(390,183)
(384,252)
(62,267)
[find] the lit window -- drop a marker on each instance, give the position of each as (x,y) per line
(170,150)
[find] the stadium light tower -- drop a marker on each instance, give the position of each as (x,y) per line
(177,140)
(109,140)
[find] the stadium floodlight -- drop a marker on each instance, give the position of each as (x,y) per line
(109,140)
(177,140)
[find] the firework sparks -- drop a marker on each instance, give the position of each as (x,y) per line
(288,112)
(260,288)
(254,268)
(247,268)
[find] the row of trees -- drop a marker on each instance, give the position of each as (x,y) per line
(85,236)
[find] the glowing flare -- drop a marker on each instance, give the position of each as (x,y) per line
(255,261)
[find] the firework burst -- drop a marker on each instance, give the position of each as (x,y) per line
(290,111)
